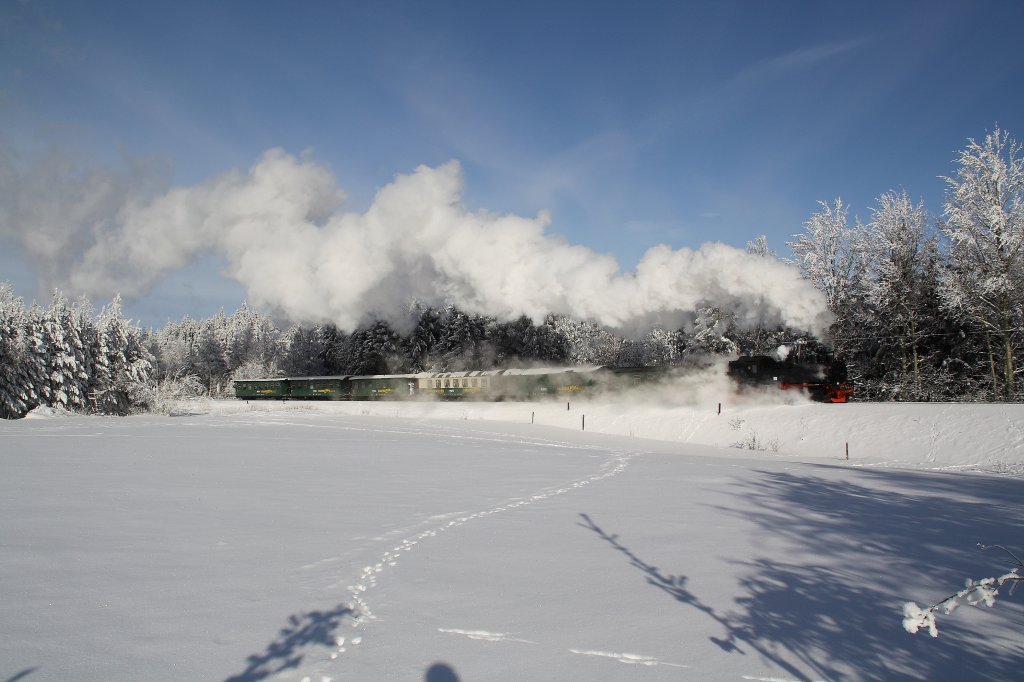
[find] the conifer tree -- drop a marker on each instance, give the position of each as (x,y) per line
(15,390)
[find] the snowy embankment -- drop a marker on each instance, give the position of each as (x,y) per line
(932,436)
(440,542)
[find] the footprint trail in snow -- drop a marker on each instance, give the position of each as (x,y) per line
(371,574)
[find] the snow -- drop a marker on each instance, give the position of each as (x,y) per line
(412,541)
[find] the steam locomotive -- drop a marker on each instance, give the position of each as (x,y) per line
(824,381)
(824,378)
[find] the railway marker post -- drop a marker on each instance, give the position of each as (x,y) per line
(847,452)
(583,423)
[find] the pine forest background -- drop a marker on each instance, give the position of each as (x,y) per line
(926,308)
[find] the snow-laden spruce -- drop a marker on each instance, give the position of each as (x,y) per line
(64,357)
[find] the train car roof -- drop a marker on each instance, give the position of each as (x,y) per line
(467,373)
(334,376)
(585,369)
(512,371)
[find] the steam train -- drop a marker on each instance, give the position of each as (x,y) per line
(823,381)
(824,378)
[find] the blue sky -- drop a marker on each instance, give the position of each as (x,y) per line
(635,123)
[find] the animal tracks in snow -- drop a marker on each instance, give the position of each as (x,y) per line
(339,643)
(370,575)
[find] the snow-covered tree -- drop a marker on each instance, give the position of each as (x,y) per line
(166,395)
(376,349)
(520,341)
(126,362)
(16,391)
(36,358)
(586,342)
(425,337)
(710,332)
(209,356)
(257,368)
(67,366)
(984,280)
(824,254)
(461,341)
(828,257)
(898,284)
(335,350)
(247,335)
(663,347)
(759,247)
(303,354)
(178,346)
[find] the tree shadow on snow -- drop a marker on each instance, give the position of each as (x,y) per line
(876,539)
(315,628)
(675,586)
(881,538)
(21,675)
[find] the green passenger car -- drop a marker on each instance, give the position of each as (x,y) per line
(261,389)
(320,388)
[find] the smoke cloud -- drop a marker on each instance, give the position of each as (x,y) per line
(283,232)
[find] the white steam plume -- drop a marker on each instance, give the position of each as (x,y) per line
(280,230)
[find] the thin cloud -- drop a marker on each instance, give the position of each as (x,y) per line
(796,60)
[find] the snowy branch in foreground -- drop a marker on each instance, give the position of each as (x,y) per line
(975,592)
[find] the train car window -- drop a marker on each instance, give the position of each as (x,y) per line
(474,383)
(483,383)
(447,383)
(437,384)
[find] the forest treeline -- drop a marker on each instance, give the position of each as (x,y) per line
(69,357)
(925,308)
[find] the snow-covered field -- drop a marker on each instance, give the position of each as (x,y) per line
(385,541)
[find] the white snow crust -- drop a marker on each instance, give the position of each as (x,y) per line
(512,541)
